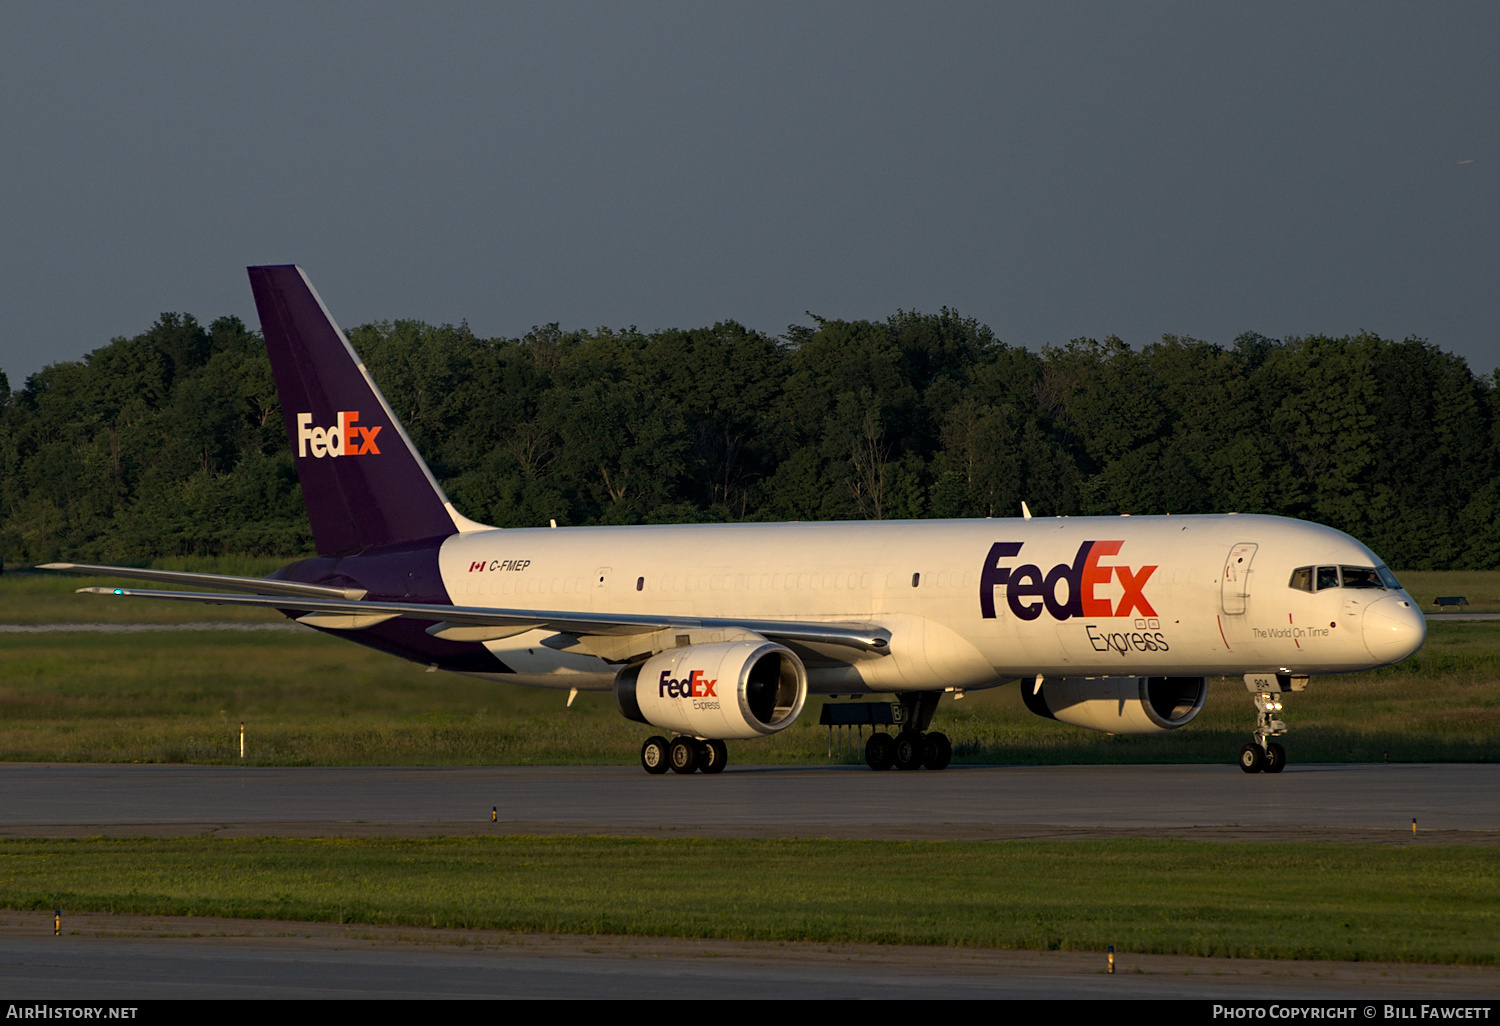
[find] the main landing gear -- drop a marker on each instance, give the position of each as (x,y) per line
(1264,755)
(911,748)
(683,755)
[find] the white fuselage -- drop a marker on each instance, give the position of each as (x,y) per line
(1177,595)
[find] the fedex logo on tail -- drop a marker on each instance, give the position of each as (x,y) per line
(1028,590)
(346,438)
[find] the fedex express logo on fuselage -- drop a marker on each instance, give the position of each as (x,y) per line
(1028,590)
(346,438)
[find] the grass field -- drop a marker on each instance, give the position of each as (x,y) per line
(1480,587)
(309,699)
(1333,901)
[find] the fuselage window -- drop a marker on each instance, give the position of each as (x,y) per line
(1328,577)
(640,584)
(916,579)
(1302,578)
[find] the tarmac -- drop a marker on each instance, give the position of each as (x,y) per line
(1451,803)
(138,958)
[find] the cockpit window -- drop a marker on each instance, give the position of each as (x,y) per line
(1320,578)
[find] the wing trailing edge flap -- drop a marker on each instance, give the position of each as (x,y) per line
(482,632)
(345,621)
(492,624)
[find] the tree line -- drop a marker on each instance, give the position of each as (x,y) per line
(171,442)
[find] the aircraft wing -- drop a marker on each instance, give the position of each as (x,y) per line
(259,585)
(346,614)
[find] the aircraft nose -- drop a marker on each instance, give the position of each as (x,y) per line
(1393,628)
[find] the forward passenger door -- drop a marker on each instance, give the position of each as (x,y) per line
(1234,582)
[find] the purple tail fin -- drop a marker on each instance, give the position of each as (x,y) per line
(362,479)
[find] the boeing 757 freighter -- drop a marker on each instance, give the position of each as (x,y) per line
(715,632)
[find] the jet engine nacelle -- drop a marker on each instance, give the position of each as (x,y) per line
(1118,705)
(733,689)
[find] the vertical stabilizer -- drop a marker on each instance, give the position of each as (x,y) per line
(362,480)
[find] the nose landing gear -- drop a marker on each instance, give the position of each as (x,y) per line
(1265,755)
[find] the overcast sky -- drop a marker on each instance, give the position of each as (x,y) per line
(1055,170)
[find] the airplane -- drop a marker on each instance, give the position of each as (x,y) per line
(717,632)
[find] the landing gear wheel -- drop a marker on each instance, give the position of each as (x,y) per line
(880,752)
(1275,758)
(713,756)
(937,751)
(908,750)
(682,754)
(1252,758)
(654,755)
